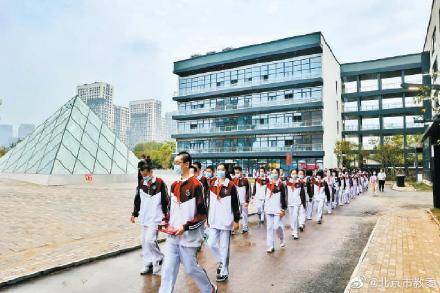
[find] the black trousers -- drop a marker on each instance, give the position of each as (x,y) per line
(381,185)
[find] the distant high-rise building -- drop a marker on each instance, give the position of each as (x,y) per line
(99,97)
(169,126)
(122,123)
(24,130)
(145,121)
(6,137)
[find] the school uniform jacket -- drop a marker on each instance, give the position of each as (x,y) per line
(275,197)
(187,208)
(296,193)
(321,189)
(151,202)
(223,207)
(243,189)
(260,188)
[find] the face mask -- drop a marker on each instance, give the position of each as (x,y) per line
(301,176)
(208,174)
(237,175)
(221,174)
(261,175)
(294,176)
(178,169)
(147,178)
(274,176)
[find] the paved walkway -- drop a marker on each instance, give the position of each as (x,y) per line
(402,255)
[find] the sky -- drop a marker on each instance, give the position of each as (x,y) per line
(48,47)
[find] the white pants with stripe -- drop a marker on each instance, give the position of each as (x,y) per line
(294,218)
(219,243)
(176,254)
(309,211)
(150,249)
(319,206)
(244,216)
(259,203)
(274,224)
(302,216)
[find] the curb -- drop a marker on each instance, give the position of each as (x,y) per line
(433,217)
(354,276)
(71,265)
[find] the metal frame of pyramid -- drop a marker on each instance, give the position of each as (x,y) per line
(70,144)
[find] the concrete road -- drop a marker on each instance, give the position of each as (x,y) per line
(321,261)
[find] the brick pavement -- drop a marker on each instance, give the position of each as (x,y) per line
(402,255)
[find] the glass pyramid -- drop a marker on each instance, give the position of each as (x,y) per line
(71,141)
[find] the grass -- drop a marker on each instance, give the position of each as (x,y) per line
(436,213)
(419,186)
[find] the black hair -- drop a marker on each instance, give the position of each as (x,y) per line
(262,168)
(186,157)
(238,168)
(309,172)
(210,167)
(227,174)
(278,170)
(193,168)
(145,167)
(320,173)
(302,170)
(199,166)
(143,156)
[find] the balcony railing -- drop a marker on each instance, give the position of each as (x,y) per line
(370,126)
(227,107)
(251,127)
(369,107)
(238,149)
(392,125)
(351,127)
(350,108)
(253,82)
(414,125)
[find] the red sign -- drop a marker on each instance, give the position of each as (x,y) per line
(88,177)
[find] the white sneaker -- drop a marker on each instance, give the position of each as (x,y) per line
(148,269)
(283,244)
(157,267)
(270,250)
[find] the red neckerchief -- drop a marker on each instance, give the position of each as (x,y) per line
(218,189)
(176,190)
(272,186)
(292,184)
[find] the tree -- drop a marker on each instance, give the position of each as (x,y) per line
(161,154)
(390,154)
(2,152)
(345,151)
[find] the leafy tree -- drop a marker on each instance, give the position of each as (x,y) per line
(390,154)
(346,152)
(161,154)
(2,152)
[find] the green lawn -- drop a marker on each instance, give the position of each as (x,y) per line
(421,186)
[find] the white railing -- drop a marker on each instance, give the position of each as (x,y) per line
(296,148)
(370,126)
(369,107)
(392,125)
(351,127)
(392,106)
(292,101)
(255,81)
(251,127)
(414,125)
(350,108)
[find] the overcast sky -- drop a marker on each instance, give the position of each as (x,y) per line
(49,47)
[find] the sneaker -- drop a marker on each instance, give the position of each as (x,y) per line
(148,269)
(301,228)
(283,244)
(244,231)
(270,250)
(157,268)
(222,278)
(295,237)
(319,222)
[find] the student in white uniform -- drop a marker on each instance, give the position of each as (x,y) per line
(296,198)
(329,180)
(347,188)
(244,194)
(320,194)
(275,206)
(150,206)
(259,193)
(309,190)
(303,207)
(223,217)
(183,223)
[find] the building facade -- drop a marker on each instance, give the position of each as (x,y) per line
(145,121)
(99,97)
(24,130)
(275,103)
(169,126)
(6,135)
(122,123)
(377,109)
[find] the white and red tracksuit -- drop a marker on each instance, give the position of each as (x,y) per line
(223,211)
(244,193)
(259,193)
(296,198)
(321,193)
(150,206)
(187,209)
(275,202)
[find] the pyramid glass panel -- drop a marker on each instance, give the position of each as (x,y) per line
(71,141)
